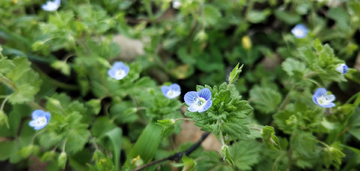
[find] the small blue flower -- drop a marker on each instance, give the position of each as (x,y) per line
(51,5)
(171,91)
(40,119)
(300,31)
(198,101)
(322,99)
(342,68)
(176,4)
(118,71)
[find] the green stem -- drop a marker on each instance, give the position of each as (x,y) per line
(8,82)
(256,129)
(3,103)
(33,138)
(184,119)
(287,99)
(352,98)
(55,82)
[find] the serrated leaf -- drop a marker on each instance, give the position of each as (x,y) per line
(22,65)
(303,142)
(238,130)
(245,154)
(6,65)
(308,55)
(290,65)
(76,140)
(265,99)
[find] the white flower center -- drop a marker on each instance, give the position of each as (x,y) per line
(200,101)
(40,121)
(325,99)
(299,32)
(120,73)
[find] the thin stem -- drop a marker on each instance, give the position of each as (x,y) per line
(63,147)
(8,82)
(221,135)
(287,99)
(3,103)
(36,106)
(313,81)
(256,129)
(323,143)
(184,119)
(96,147)
(33,138)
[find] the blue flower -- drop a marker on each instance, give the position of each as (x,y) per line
(118,71)
(198,101)
(40,119)
(300,31)
(322,99)
(171,91)
(51,5)
(342,68)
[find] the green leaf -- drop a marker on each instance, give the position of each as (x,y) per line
(290,65)
(6,149)
(115,136)
(287,17)
(308,55)
(77,139)
(28,150)
(255,16)
(318,45)
(95,105)
(143,146)
(189,163)
(303,142)
(211,15)
(269,139)
(265,99)
(6,65)
(22,65)
(245,154)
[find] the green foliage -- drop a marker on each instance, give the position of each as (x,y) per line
(269,139)
(189,163)
(227,114)
(265,99)
(245,154)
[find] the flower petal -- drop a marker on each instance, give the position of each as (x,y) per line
(319,92)
(118,65)
(330,105)
(37,113)
(205,107)
(194,108)
(175,87)
(111,72)
(47,116)
(190,97)
(165,89)
(126,70)
(205,93)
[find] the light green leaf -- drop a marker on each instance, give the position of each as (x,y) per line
(4,119)
(287,17)
(62,160)
(290,65)
(265,99)
(62,66)
(255,16)
(211,15)
(114,137)
(189,163)
(6,65)
(245,154)
(76,140)
(269,139)
(145,148)
(226,155)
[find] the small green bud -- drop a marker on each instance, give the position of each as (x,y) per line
(226,154)
(62,66)
(137,161)
(189,163)
(291,121)
(62,160)
(201,36)
(95,104)
(235,73)
(27,151)
(48,156)
(4,119)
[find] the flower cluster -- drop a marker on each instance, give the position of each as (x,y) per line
(40,119)
(51,5)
